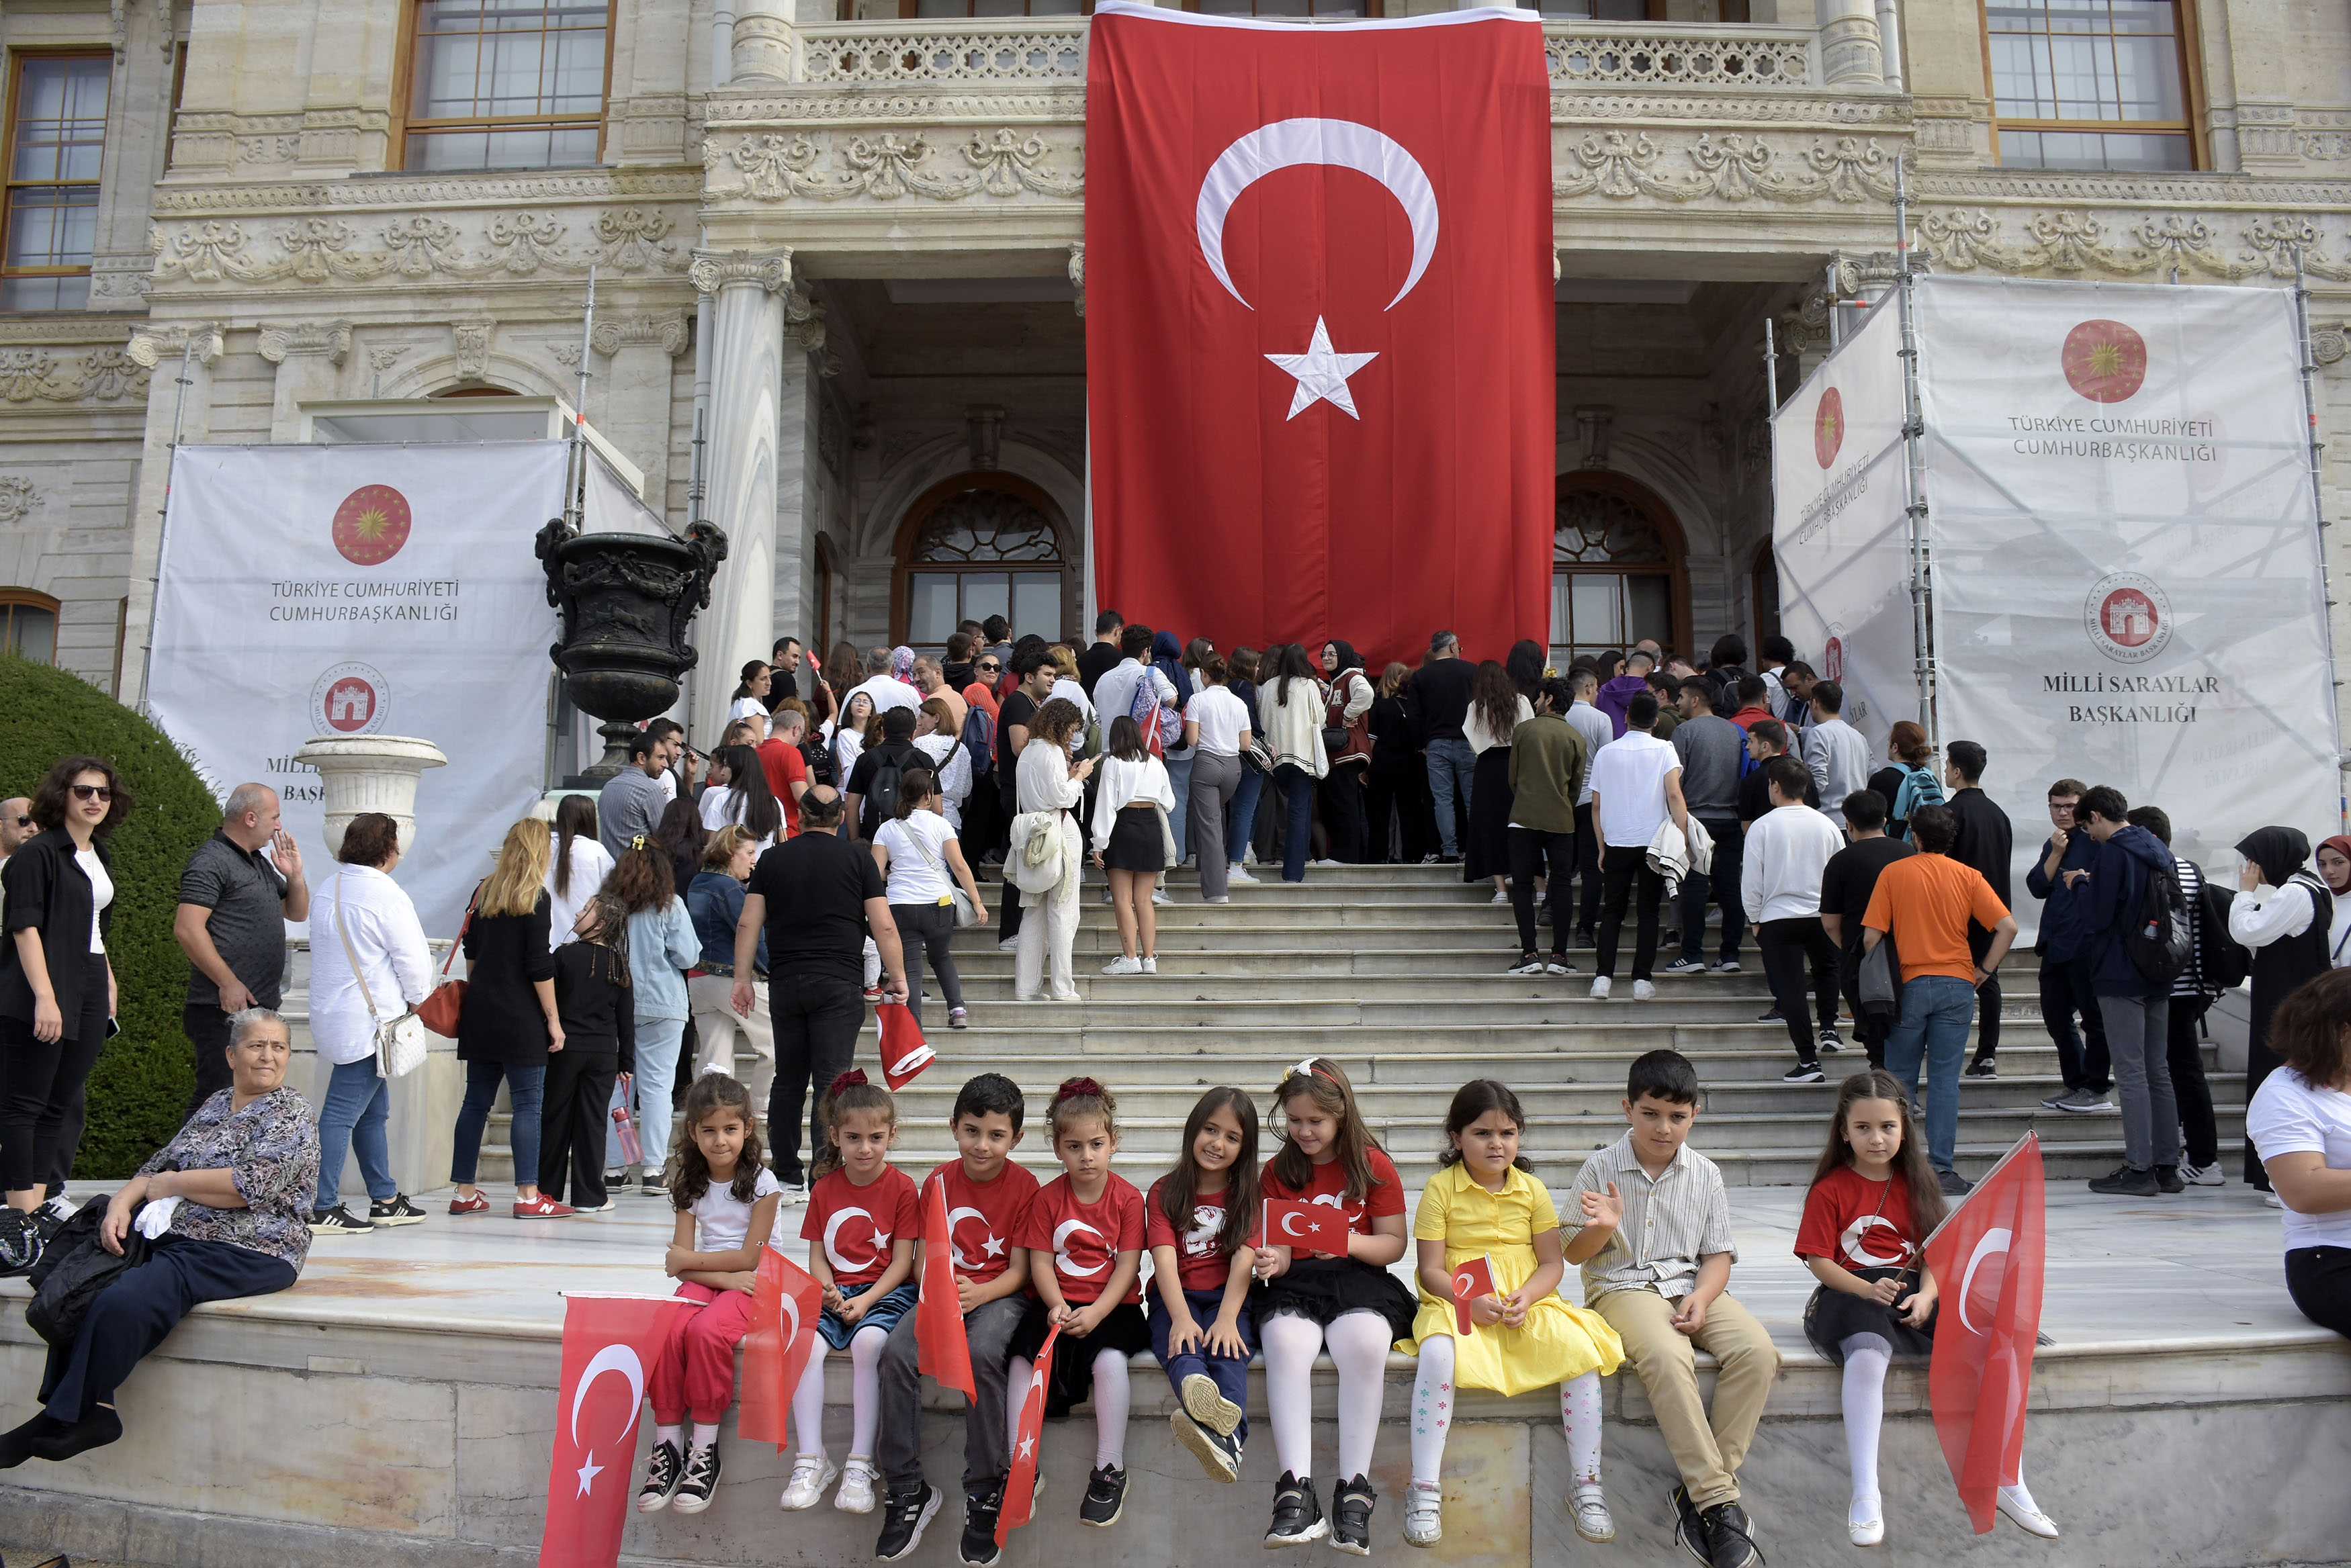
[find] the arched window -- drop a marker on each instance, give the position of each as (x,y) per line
(1616,567)
(29,622)
(977,545)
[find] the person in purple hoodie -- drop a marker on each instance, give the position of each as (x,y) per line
(2136,1009)
(1620,690)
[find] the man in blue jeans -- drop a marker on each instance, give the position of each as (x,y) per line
(1440,690)
(1925,903)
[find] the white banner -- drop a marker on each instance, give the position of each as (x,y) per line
(1839,530)
(345,590)
(2127,567)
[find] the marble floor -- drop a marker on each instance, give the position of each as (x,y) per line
(2201,1266)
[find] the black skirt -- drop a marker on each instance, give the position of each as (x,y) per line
(1832,1318)
(1321,1289)
(1135,843)
(1487,853)
(1125,1330)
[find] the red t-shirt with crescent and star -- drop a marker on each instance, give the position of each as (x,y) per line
(1857,1223)
(1328,1185)
(1086,1238)
(1202,1264)
(984,1218)
(857,1226)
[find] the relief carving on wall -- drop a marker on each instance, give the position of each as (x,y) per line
(414,245)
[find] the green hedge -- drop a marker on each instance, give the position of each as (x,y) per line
(143,1081)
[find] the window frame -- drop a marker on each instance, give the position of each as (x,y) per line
(12,599)
(9,183)
(403,90)
(1661,518)
(2192,127)
(902,565)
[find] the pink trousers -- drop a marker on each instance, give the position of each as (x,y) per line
(694,1375)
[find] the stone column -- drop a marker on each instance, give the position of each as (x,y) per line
(1850,55)
(747,355)
(762,47)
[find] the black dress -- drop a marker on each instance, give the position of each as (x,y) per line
(1488,852)
(2279,971)
(1832,1318)
(502,1021)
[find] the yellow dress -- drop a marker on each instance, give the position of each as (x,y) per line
(1558,1341)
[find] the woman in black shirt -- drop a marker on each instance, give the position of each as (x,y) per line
(509,1024)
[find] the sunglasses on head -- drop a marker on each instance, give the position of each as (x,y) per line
(89,792)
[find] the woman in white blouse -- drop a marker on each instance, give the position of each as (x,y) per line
(575,869)
(1217,725)
(938,735)
(1049,782)
(1129,844)
(751,694)
(918,853)
(1290,717)
(362,925)
(743,801)
(847,738)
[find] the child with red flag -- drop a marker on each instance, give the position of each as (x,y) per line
(862,1221)
(981,1198)
(1084,1239)
(726,1199)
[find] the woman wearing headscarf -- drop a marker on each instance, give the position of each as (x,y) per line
(1167,658)
(1496,710)
(2335,869)
(1346,707)
(2284,914)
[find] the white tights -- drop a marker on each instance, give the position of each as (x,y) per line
(1434,1396)
(1112,1396)
(1358,1343)
(1866,1356)
(865,1395)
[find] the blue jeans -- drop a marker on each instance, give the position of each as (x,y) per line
(1244,818)
(524,1086)
(1298,832)
(658,1043)
(352,1119)
(1179,774)
(1230,1376)
(1451,767)
(1937,1010)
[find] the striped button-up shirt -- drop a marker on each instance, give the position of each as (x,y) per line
(1670,1221)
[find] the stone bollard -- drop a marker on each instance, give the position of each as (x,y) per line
(370,772)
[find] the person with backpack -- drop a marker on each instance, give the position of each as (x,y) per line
(2139,941)
(1907,781)
(2198,985)
(874,783)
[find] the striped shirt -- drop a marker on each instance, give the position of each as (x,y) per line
(2191,888)
(1670,1222)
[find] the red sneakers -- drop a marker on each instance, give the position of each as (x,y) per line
(478,1204)
(543,1207)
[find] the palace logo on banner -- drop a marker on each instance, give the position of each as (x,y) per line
(1319,328)
(609,1341)
(1988,1259)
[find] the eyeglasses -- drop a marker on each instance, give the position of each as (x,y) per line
(84,791)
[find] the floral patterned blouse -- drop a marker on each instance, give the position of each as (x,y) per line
(271,1148)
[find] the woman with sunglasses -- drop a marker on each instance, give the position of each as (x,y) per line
(56,986)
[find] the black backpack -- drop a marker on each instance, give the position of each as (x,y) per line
(2219,958)
(882,801)
(2159,942)
(74,1268)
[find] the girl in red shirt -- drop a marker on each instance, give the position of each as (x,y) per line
(1196,1222)
(1350,1305)
(1084,1236)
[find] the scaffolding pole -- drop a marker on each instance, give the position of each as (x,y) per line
(1913,468)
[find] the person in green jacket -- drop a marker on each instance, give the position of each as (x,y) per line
(1548,762)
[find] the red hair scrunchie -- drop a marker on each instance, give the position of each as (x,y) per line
(850,1079)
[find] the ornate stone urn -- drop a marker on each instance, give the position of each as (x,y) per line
(625,600)
(370,772)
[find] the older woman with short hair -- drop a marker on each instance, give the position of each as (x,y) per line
(226,1207)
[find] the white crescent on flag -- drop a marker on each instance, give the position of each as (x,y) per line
(1060,1253)
(832,1229)
(955,1217)
(1288,1225)
(1341,144)
(1994,1242)
(617,1358)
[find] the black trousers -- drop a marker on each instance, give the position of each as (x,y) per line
(927,930)
(207,1030)
(1871,1036)
(1721,884)
(130,1317)
(2200,1133)
(1627,870)
(817,1017)
(41,1085)
(1344,810)
(2319,1281)
(1587,868)
(1790,947)
(2064,992)
(573,1116)
(1531,850)
(1988,999)
(1395,810)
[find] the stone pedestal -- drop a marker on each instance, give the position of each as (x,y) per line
(420,1134)
(370,772)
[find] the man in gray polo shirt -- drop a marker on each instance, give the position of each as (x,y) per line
(234,901)
(633,800)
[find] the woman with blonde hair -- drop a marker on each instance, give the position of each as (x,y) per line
(509,1024)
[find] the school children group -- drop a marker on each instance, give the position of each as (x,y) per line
(1649,1226)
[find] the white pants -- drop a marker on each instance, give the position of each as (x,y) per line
(1051,923)
(716,1023)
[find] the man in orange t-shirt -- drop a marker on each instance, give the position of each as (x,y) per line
(1925,903)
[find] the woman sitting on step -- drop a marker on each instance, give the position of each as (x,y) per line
(2301,1120)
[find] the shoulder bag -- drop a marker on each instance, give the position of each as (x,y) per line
(398,1043)
(967,912)
(442,1010)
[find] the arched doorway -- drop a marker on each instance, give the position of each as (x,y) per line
(977,545)
(1616,567)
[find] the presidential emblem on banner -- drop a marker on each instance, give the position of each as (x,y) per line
(1828,428)
(2106,361)
(372,525)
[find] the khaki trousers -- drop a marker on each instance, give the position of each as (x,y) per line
(1708,1453)
(715,1024)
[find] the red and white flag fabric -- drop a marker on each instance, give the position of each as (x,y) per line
(1306,1228)
(1320,327)
(905,1052)
(785,1303)
(1021,1484)
(1470,1280)
(608,1344)
(942,1349)
(1988,1260)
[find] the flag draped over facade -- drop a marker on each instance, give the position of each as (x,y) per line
(1320,330)
(1988,1260)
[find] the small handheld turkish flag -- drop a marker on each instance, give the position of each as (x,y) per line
(607,1343)
(785,1304)
(1020,1486)
(904,1052)
(1988,1259)
(1470,1280)
(1306,1228)
(942,1349)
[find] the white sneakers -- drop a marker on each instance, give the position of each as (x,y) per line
(811,1473)
(1588,1506)
(857,1479)
(1151,966)
(1233,873)
(2202,1175)
(1124,965)
(1159,896)
(1600,988)
(1642,991)
(1423,1521)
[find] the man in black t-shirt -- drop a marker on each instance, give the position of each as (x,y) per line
(896,750)
(1846,883)
(1987,841)
(1102,655)
(1766,739)
(818,897)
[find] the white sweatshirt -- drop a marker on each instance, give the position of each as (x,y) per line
(1787,849)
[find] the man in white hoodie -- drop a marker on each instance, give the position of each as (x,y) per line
(1788,848)
(1637,784)
(1836,752)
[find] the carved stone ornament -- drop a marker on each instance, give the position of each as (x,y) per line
(668,331)
(470,341)
(18,499)
(1730,166)
(332,339)
(417,246)
(30,373)
(1077,271)
(713,270)
(2072,240)
(150,346)
(804,324)
(888,165)
(2329,343)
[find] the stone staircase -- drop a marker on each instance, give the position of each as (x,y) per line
(1396,971)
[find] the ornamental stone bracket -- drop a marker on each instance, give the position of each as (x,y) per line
(18,499)
(150,346)
(331,340)
(669,332)
(470,345)
(711,271)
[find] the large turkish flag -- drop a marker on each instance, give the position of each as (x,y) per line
(1987,1258)
(1319,327)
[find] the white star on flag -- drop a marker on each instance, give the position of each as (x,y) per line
(1027,1446)
(1322,374)
(588,1474)
(994,1248)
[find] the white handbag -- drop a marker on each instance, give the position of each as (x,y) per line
(399,1044)
(966,913)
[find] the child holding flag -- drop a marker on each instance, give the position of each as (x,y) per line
(1487,1226)
(1197,1221)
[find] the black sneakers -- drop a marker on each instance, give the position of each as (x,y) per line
(1727,1541)
(981,1511)
(395,1210)
(664,1471)
(1105,1497)
(1986,1067)
(21,1239)
(1297,1513)
(2125,1181)
(701,1480)
(339,1222)
(1351,1516)
(2168,1179)
(1804,1073)
(905,1516)
(1219,1455)
(1689,1530)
